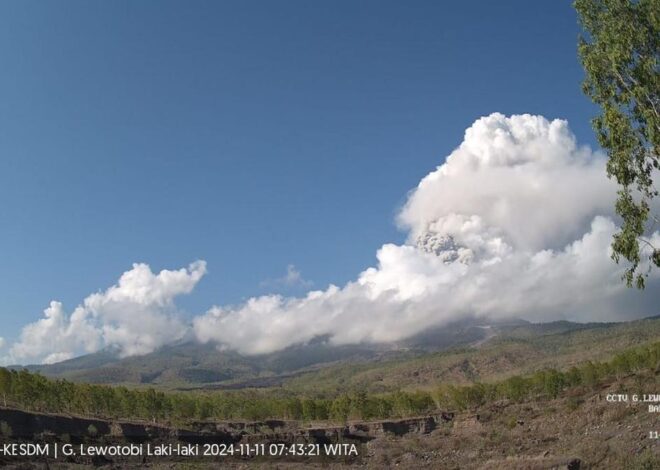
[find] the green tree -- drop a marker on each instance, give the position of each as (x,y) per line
(620,54)
(5,384)
(308,410)
(515,388)
(340,408)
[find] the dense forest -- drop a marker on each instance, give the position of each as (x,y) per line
(34,392)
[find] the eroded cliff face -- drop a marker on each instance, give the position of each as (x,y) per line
(24,425)
(21,426)
(578,430)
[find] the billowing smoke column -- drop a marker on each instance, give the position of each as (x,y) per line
(516,222)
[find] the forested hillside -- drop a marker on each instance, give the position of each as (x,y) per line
(34,392)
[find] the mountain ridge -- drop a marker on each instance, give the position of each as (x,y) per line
(468,350)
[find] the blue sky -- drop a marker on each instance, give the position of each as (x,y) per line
(253,135)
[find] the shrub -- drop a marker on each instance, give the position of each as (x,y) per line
(645,461)
(5,429)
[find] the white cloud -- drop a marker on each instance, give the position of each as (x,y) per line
(137,315)
(522,178)
(56,335)
(2,342)
(292,279)
(57,357)
(516,222)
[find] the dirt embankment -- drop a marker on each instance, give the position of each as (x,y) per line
(18,426)
(25,425)
(580,430)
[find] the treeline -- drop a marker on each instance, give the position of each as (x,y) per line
(37,393)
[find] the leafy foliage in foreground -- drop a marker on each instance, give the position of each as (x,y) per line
(35,392)
(621,58)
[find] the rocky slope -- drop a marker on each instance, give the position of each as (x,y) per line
(581,429)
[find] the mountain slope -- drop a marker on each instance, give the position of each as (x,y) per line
(193,363)
(463,352)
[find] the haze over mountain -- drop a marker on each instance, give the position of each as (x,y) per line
(189,361)
(464,351)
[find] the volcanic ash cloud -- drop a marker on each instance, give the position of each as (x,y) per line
(517,221)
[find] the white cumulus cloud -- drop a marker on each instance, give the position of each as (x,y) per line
(137,315)
(517,221)
(521,179)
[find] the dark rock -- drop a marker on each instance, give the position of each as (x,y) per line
(445,416)
(574,464)
(25,425)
